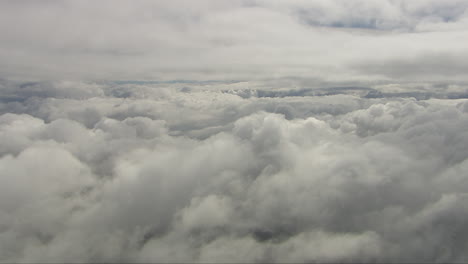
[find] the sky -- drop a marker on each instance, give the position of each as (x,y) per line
(361,40)
(214,131)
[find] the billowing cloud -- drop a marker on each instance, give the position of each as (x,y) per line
(91,173)
(233,131)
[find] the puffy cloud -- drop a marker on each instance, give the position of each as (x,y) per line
(209,175)
(233,131)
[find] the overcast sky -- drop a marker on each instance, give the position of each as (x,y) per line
(283,131)
(161,40)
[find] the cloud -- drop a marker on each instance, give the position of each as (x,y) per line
(233,131)
(226,40)
(200,175)
(381,15)
(439,66)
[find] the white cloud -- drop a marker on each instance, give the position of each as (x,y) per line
(203,175)
(271,131)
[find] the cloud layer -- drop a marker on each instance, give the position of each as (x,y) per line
(242,40)
(233,131)
(141,173)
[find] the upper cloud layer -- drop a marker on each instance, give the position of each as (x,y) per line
(229,40)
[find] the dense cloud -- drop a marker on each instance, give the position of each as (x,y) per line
(330,40)
(142,173)
(233,131)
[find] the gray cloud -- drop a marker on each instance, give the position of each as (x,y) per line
(233,131)
(241,40)
(170,175)
(434,66)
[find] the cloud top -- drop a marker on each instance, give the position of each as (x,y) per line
(209,176)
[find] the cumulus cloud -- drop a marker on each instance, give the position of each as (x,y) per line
(233,131)
(205,175)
